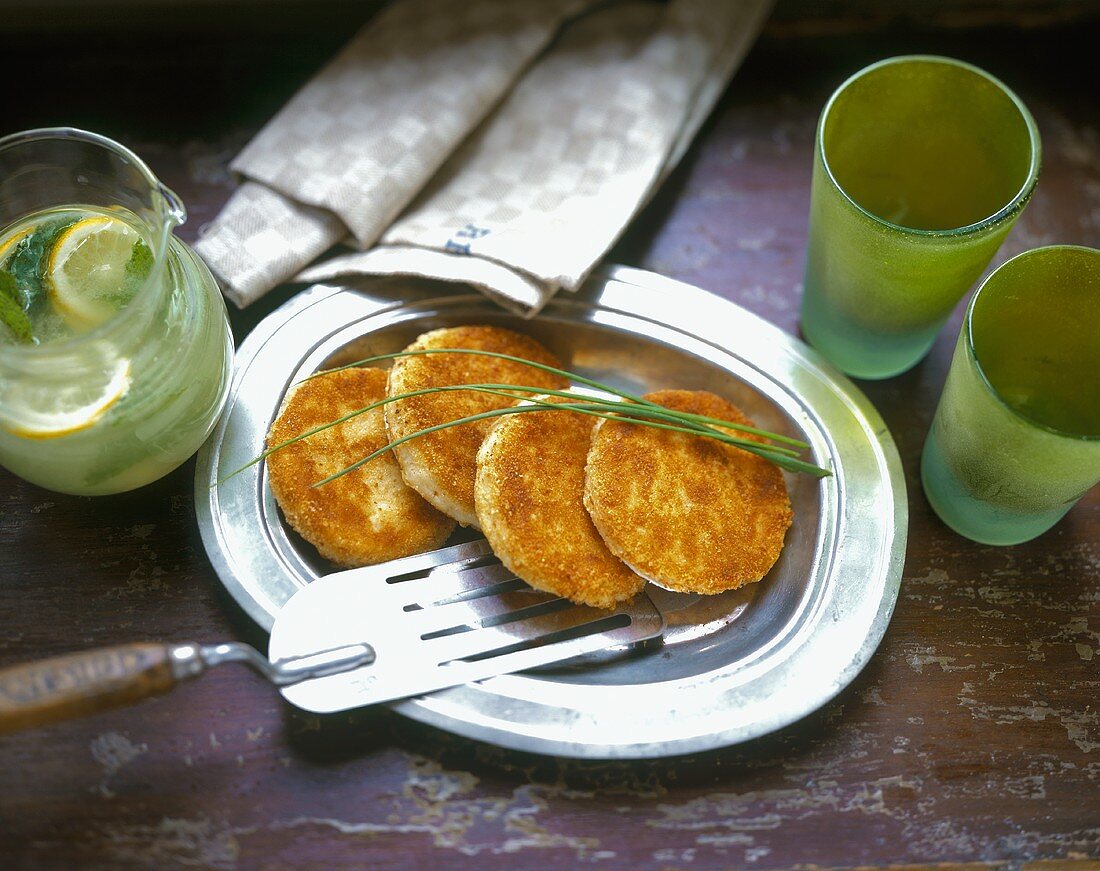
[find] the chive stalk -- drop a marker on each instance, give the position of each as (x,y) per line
(605,410)
(570,376)
(649,414)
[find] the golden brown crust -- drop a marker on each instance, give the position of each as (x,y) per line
(529,492)
(442,466)
(685,511)
(367,516)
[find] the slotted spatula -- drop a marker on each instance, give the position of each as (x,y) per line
(349,639)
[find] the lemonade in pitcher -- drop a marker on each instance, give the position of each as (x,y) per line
(115,351)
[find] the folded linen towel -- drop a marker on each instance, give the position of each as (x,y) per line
(447,150)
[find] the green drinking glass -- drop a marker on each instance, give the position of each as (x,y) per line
(1016,437)
(922,165)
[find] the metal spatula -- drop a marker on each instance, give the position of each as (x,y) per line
(350,639)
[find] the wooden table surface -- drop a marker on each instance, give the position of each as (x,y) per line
(973,736)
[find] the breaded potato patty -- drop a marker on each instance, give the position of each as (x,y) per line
(367,516)
(441,466)
(688,512)
(529,497)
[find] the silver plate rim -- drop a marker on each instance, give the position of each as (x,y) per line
(510,711)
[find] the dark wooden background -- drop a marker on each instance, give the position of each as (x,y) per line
(972,737)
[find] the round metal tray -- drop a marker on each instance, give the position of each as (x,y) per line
(731,667)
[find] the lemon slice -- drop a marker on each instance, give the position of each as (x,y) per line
(13,240)
(86,272)
(54,408)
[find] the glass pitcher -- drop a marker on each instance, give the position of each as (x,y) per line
(115,349)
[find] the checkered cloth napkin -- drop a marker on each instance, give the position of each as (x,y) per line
(500,143)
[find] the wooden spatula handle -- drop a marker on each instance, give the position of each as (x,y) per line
(46,691)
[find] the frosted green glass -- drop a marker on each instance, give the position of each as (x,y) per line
(1016,437)
(921,167)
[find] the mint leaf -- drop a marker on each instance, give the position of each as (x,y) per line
(140,263)
(11,312)
(28,262)
(137,270)
(9,288)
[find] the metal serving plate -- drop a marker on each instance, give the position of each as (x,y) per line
(731,667)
